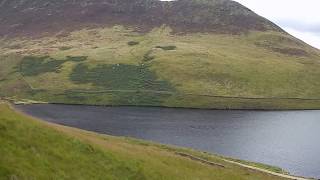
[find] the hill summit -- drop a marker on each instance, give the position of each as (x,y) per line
(40,16)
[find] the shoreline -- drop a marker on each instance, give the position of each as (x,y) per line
(167,107)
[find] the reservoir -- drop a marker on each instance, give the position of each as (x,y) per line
(287,139)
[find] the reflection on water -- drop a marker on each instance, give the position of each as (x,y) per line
(288,139)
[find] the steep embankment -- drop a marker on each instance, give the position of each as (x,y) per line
(198,53)
(31,149)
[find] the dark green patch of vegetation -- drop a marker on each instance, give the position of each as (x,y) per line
(33,65)
(76,58)
(119,77)
(133,43)
(64,48)
(167,48)
(131,84)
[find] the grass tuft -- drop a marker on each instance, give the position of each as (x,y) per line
(64,48)
(133,43)
(167,48)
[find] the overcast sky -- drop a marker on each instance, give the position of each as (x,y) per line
(300,18)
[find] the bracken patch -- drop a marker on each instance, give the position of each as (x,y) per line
(33,65)
(119,77)
(127,84)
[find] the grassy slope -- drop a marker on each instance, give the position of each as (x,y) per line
(253,65)
(32,149)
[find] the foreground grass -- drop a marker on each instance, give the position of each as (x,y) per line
(31,149)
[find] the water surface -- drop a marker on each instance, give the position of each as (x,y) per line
(288,139)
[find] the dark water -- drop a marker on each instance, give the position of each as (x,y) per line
(288,139)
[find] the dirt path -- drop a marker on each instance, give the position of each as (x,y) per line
(240,164)
(267,171)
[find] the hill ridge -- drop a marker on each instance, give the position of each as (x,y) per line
(31,17)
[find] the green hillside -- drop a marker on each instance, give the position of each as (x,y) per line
(31,149)
(223,56)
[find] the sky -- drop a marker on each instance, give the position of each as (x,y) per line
(300,18)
